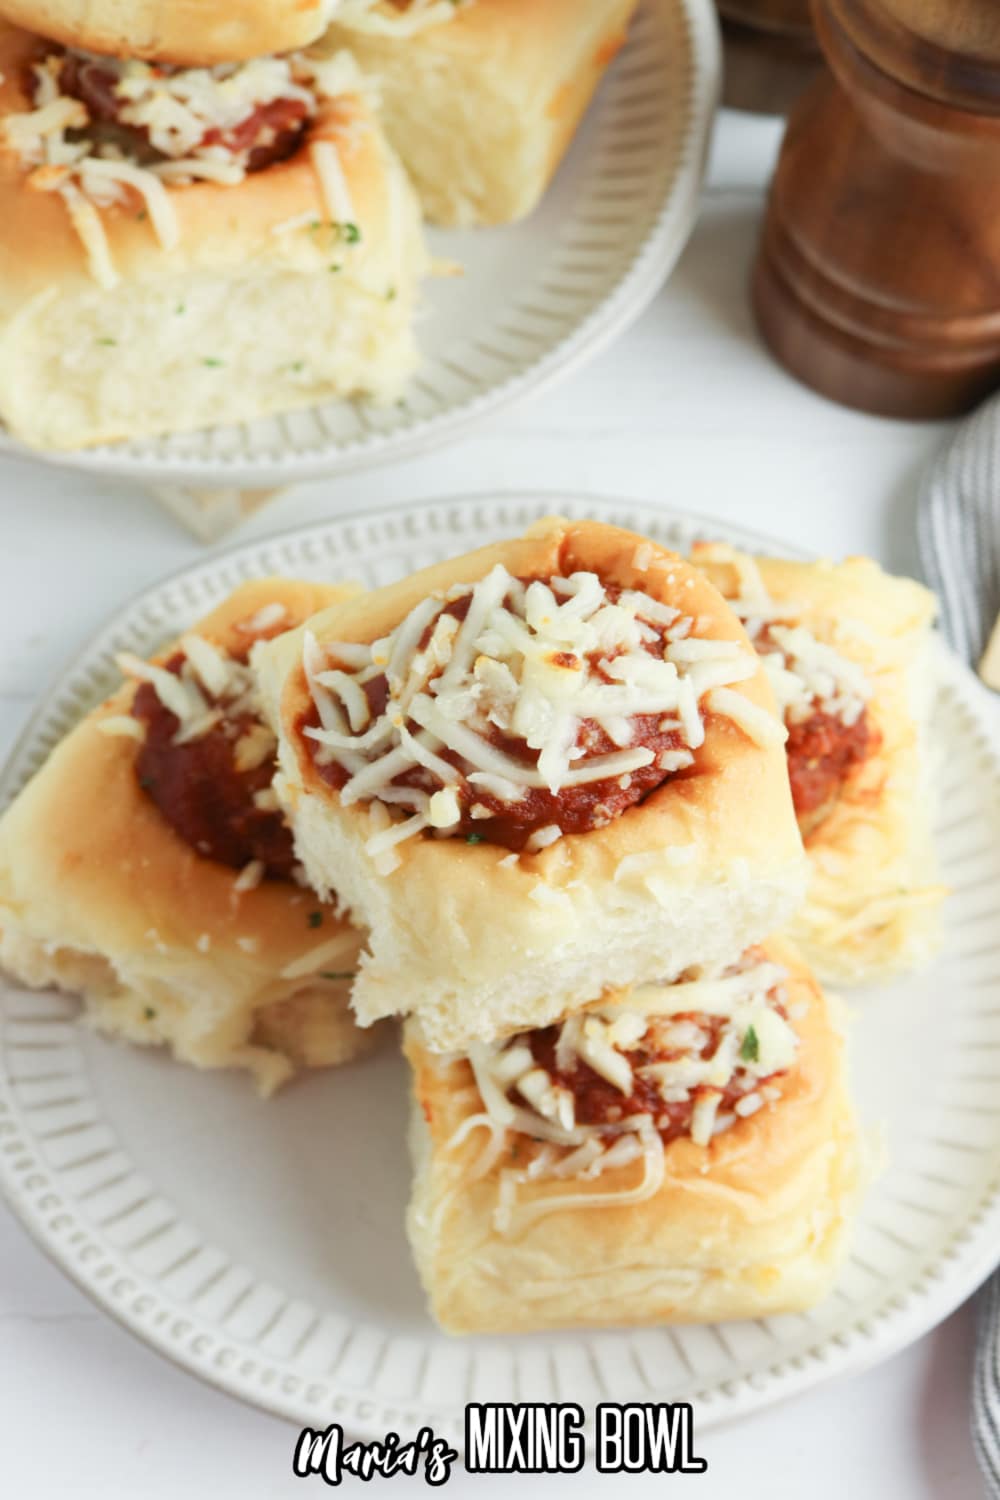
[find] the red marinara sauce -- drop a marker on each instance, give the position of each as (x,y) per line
(598,1102)
(202,795)
(823,752)
(575,809)
(270,133)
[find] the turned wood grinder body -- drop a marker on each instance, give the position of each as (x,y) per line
(878,278)
(771,53)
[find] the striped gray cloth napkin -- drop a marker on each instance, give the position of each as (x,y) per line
(958,533)
(986,1385)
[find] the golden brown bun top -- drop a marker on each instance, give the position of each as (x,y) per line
(219,225)
(82,830)
(192,33)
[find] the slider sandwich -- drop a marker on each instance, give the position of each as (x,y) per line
(481,98)
(183,246)
(549,767)
(847,651)
(147,866)
(675,1152)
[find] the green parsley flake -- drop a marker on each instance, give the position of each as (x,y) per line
(315,919)
(339,974)
(750,1050)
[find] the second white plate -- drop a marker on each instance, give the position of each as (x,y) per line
(261,1245)
(536,299)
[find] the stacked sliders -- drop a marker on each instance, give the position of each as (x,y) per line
(549,779)
(545,802)
(203,222)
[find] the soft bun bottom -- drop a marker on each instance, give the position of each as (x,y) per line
(488,1286)
(84,366)
(525,963)
(270,1039)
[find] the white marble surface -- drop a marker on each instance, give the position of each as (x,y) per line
(687,408)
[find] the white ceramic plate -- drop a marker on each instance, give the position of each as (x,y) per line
(537,299)
(261,1245)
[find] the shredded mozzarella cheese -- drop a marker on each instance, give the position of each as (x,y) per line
(333,183)
(210,686)
(805,673)
(755,1043)
(249,877)
(122,725)
(181,118)
(533,662)
(512,1218)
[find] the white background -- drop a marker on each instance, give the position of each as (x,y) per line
(687,409)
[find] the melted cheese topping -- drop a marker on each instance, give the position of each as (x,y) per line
(175,109)
(529,664)
(756,1044)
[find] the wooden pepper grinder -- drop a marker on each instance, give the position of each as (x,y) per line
(878,278)
(771,53)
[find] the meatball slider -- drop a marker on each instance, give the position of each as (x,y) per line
(846,650)
(147,866)
(189,246)
(541,769)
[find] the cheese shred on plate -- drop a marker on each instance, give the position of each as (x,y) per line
(474,675)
